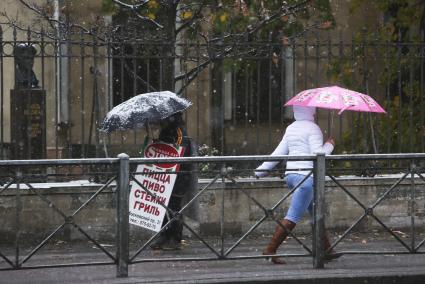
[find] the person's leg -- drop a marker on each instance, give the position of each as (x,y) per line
(162,238)
(280,234)
(170,237)
(174,229)
(330,254)
(301,198)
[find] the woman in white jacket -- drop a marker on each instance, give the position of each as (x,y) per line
(302,137)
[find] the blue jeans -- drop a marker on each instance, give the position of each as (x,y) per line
(302,198)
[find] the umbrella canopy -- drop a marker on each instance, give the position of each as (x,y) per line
(335,97)
(148,107)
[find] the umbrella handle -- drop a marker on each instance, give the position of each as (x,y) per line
(105,149)
(145,144)
(372,133)
(148,128)
(344,109)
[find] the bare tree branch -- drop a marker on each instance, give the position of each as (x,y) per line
(131,6)
(138,78)
(134,7)
(57,24)
(283,11)
(18,26)
(191,74)
(39,12)
(196,16)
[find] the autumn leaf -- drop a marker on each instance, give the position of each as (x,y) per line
(152,4)
(151,16)
(390,29)
(186,15)
(396,101)
(223,17)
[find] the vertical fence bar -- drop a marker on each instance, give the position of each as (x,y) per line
(161,74)
(109,85)
(198,91)
(135,76)
(43,87)
(294,66)
(399,91)
(305,60)
(364,59)
(56,59)
(29,144)
(222,118)
(421,91)
(341,56)
(248,86)
(2,155)
(258,108)
(411,58)
(283,83)
(329,63)
(412,204)
(82,97)
(148,71)
(317,63)
(318,207)
(269,93)
(235,75)
(96,98)
(122,80)
(354,132)
(18,217)
(122,216)
(388,95)
(223,187)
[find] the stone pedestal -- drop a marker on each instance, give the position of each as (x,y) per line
(28,123)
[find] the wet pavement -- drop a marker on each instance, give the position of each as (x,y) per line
(367,267)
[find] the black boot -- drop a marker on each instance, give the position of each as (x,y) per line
(158,242)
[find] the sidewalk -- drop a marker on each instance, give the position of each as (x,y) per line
(350,268)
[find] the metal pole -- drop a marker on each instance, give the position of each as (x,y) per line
(318,207)
(18,230)
(122,216)
(223,173)
(2,153)
(412,204)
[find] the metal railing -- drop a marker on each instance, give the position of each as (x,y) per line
(119,174)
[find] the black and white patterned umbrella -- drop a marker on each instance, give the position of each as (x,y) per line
(144,108)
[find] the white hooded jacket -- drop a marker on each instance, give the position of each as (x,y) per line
(302,137)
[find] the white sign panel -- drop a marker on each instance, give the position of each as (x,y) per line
(146,209)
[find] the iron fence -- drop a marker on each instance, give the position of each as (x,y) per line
(237,100)
(119,174)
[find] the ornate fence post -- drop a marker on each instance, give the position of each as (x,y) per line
(122,216)
(318,207)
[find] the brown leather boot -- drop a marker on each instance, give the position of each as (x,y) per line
(279,236)
(330,255)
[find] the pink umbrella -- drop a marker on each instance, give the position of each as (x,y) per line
(335,97)
(338,98)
